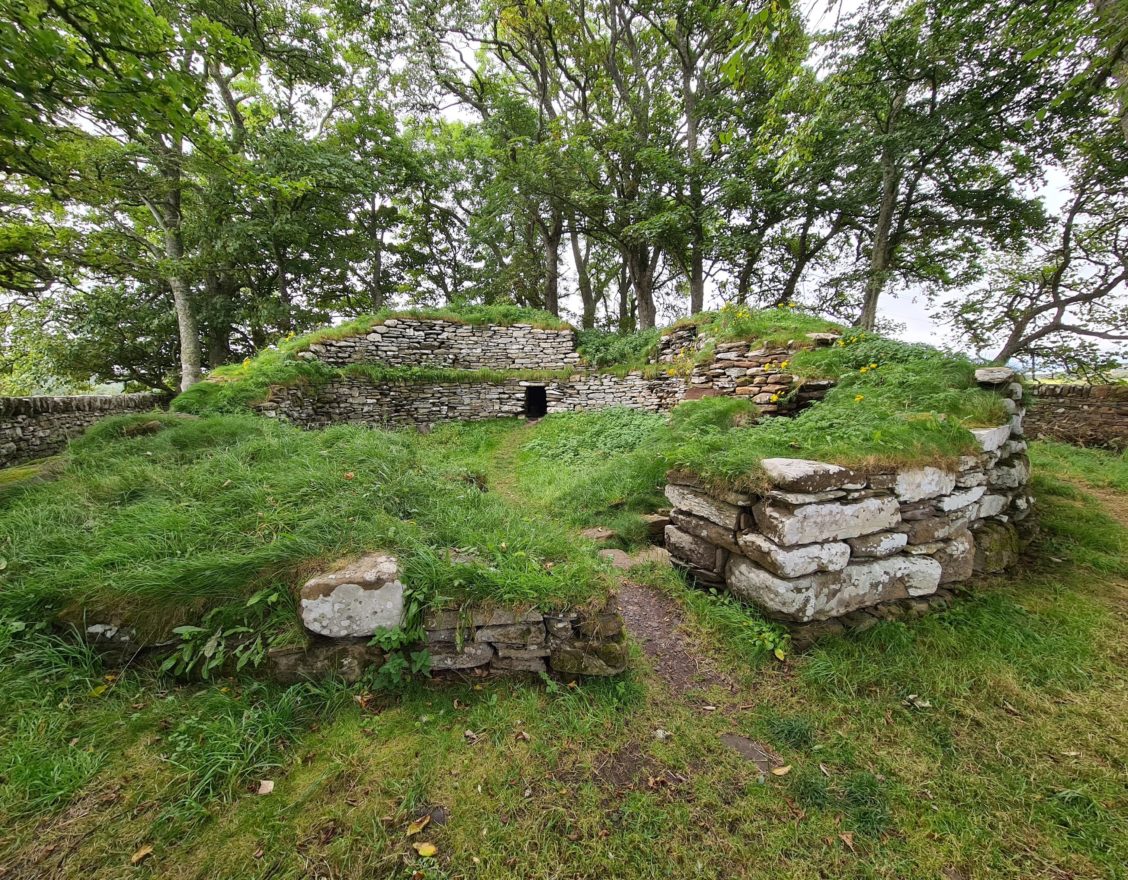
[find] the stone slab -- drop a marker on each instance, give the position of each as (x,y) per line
(831,521)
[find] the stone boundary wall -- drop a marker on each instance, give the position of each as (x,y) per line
(1087,415)
(411,342)
(33,427)
(479,641)
(397,404)
(825,542)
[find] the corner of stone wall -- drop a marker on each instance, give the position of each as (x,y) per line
(827,543)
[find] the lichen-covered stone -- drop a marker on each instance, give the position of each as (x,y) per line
(956,557)
(878,546)
(916,484)
(705,530)
(960,499)
(700,503)
(990,439)
(694,550)
(358,599)
(996,546)
(322,659)
(801,475)
(512,634)
(589,658)
(831,594)
(830,521)
(794,561)
(994,375)
(992,505)
(467,656)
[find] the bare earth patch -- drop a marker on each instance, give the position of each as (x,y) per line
(657,623)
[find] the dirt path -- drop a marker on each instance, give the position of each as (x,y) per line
(657,623)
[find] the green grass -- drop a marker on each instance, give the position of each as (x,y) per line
(162,527)
(769,327)
(1007,763)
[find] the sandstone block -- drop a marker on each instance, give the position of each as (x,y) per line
(705,530)
(996,546)
(992,505)
(956,557)
(702,504)
(994,375)
(801,475)
(450,657)
(831,594)
(990,439)
(830,521)
(693,550)
(794,561)
(878,546)
(920,483)
(356,600)
(961,499)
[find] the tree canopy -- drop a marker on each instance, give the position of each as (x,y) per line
(185,182)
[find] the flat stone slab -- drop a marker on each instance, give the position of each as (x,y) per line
(832,521)
(801,475)
(832,594)
(994,375)
(920,483)
(356,600)
(990,439)
(794,561)
(878,546)
(702,504)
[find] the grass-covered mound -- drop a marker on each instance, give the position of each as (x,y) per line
(212,512)
(894,404)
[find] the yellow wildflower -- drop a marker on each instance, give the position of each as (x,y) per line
(858,398)
(775,398)
(873,366)
(864,370)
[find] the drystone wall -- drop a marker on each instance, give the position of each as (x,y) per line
(1088,415)
(737,369)
(477,641)
(32,427)
(397,404)
(828,544)
(401,342)
(746,370)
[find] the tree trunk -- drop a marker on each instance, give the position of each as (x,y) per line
(626,312)
(553,233)
(186,324)
(882,252)
(587,296)
(641,265)
(697,230)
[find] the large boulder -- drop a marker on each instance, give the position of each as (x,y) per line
(356,600)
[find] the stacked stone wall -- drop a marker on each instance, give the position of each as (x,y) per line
(404,342)
(826,543)
(397,404)
(33,427)
(1088,415)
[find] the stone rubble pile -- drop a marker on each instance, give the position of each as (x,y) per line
(827,542)
(402,342)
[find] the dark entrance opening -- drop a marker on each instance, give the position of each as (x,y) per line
(536,401)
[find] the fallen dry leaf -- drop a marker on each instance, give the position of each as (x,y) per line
(781,771)
(425,849)
(847,838)
(266,786)
(418,825)
(138,857)
(522,736)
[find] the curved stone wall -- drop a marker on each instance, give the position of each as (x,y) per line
(826,542)
(33,427)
